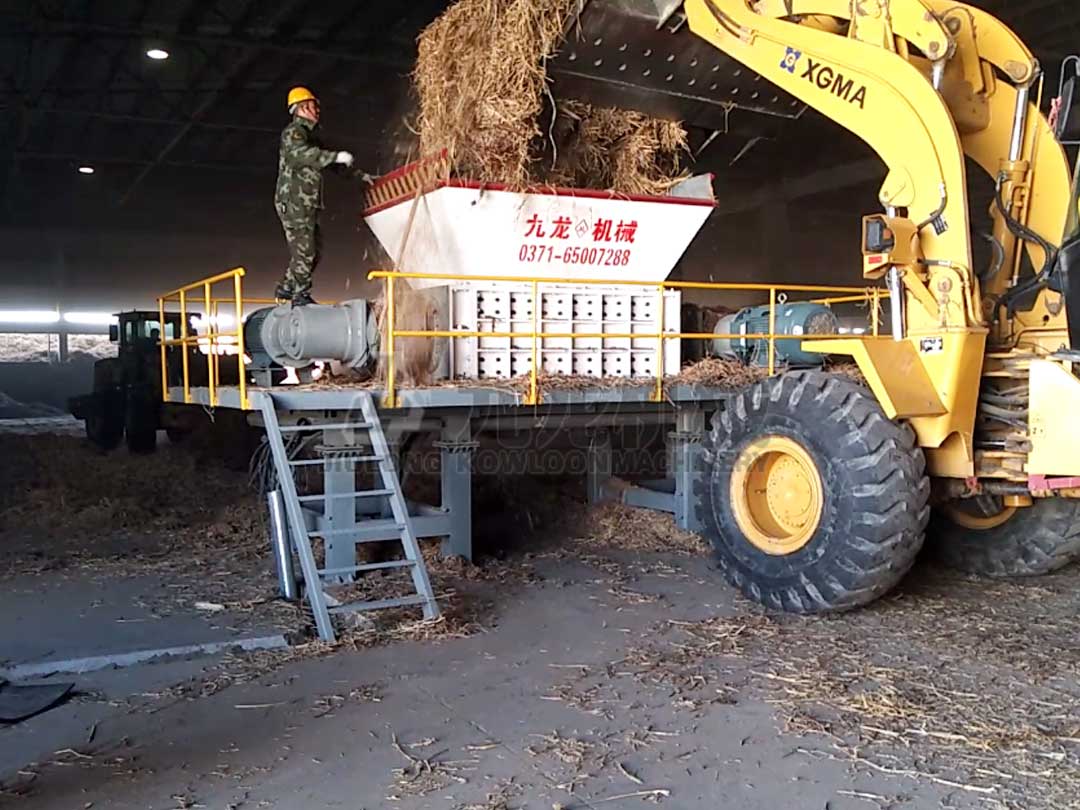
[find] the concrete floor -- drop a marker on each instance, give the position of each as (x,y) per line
(587,676)
(545,708)
(488,690)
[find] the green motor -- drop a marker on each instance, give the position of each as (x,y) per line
(799,318)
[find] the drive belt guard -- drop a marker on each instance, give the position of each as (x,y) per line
(641,55)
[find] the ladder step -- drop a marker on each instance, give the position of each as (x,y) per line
(312,462)
(401,601)
(370,446)
(365,493)
(326,426)
(357,569)
(340,532)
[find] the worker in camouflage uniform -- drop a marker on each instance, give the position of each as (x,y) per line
(298,198)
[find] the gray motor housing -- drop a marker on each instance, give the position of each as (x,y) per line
(299,336)
(798,318)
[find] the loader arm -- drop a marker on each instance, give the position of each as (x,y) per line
(1021,149)
(869,83)
(887,28)
(1016,146)
(930,376)
(872,92)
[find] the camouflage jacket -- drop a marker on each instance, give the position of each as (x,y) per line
(300,164)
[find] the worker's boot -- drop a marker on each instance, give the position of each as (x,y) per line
(283,293)
(301,298)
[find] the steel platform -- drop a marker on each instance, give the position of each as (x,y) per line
(458,414)
(315,397)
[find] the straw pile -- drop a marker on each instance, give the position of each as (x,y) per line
(484,98)
(615,149)
(416,357)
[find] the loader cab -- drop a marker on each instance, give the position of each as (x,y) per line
(1065,113)
(139,334)
(1066,123)
(1065,119)
(141,330)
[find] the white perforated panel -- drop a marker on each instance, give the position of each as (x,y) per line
(587,314)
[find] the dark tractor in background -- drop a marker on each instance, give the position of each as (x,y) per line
(126,403)
(126,400)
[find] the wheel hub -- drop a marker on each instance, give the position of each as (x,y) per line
(777,495)
(981,513)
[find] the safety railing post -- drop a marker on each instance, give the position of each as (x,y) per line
(875,309)
(184,346)
(390,397)
(658,393)
(772,331)
(534,384)
(211,371)
(238,291)
(162,338)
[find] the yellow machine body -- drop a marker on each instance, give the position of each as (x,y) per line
(856,63)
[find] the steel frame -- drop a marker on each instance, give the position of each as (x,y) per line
(459,415)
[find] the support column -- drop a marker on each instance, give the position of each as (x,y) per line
(599,466)
(455,469)
(62,346)
(686,448)
(339,477)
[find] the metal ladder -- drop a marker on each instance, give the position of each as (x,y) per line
(322,604)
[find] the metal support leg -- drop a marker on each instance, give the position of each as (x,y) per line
(455,467)
(599,466)
(686,448)
(339,477)
(282,547)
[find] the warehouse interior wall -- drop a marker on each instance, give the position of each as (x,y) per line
(803,241)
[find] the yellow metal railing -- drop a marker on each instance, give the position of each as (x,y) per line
(836,295)
(209,306)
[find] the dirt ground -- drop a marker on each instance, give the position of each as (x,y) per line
(596,660)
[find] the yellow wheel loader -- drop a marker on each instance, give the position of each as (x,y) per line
(817,491)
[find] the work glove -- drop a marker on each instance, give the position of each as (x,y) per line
(344,158)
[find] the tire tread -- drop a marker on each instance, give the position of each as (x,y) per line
(885,480)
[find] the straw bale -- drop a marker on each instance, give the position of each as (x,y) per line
(484,98)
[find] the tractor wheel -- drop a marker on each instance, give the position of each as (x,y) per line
(177,435)
(813,500)
(140,423)
(983,536)
(105,430)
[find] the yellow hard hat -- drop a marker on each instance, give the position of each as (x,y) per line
(298,94)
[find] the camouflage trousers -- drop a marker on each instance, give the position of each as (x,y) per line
(305,246)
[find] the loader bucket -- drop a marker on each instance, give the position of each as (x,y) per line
(641,55)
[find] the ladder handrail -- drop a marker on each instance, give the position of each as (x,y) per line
(301,537)
(297,527)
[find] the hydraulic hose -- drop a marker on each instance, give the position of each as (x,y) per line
(1022,232)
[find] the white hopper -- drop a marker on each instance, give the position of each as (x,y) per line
(460,227)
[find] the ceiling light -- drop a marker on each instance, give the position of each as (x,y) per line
(158,54)
(86,170)
(28,316)
(89,318)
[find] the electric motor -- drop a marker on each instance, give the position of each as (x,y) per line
(299,336)
(800,318)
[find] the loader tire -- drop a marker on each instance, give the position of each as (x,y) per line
(812,499)
(105,421)
(1025,542)
(103,433)
(140,422)
(177,435)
